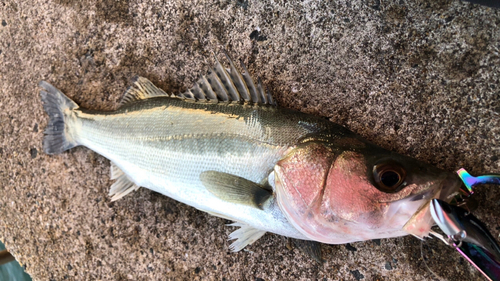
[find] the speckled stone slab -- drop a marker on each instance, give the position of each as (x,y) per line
(420,77)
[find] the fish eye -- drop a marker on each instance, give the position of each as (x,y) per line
(388,176)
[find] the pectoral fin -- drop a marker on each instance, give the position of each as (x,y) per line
(234,189)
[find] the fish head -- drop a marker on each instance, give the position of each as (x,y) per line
(346,190)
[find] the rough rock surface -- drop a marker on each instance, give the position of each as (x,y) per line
(420,77)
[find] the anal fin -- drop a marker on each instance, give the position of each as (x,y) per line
(244,236)
(123,185)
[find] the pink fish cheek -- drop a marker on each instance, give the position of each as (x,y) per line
(302,175)
(349,195)
(299,181)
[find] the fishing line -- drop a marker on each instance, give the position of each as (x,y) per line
(425,263)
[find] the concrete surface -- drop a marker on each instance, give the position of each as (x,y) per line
(420,77)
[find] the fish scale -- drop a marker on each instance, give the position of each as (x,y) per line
(164,144)
(223,148)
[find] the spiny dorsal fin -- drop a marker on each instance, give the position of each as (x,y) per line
(260,89)
(250,84)
(142,89)
(270,99)
(234,189)
(217,85)
(238,80)
(221,85)
(226,81)
(205,89)
(244,236)
(123,185)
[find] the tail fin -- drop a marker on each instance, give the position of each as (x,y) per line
(58,107)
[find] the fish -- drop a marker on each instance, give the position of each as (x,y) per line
(224,147)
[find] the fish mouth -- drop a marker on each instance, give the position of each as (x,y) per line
(450,187)
(446,190)
(421,222)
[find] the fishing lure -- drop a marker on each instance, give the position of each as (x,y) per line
(466,233)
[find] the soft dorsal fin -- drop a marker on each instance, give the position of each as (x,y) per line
(221,85)
(142,89)
(234,189)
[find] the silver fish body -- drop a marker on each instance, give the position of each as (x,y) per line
(164,144)
(221,148)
